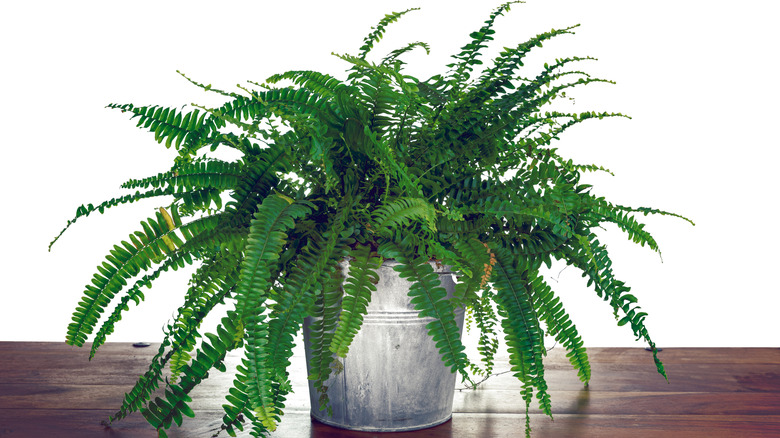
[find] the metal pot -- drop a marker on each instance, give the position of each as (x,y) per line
(393,377)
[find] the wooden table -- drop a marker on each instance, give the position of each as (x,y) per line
(52,390)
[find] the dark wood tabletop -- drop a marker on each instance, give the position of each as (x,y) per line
(52,390)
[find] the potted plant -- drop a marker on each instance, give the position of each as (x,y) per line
(335,177)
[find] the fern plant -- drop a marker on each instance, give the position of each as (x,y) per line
(459,168)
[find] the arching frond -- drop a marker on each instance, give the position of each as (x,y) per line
(266,239)
(260,177)
(429,300)
(469,55)
(179,335)
(87,209)
(316,82)
(321,331)
(379,30)
(135,294)
(486,320)
(149,246)
(161,413)
(288,101)
(172,126)
(304,283)
(401,212)
(358,287)
(510,59)
(521,328)
(592,258)
(395,54)
(198,174)
(558,324)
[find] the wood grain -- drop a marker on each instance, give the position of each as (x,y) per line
(53,390)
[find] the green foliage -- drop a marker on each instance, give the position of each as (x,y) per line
(458,168)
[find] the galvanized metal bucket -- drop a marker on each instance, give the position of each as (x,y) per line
(393,378)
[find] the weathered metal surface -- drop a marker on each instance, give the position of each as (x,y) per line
(393,377)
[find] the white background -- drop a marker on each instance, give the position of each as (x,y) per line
(699,79)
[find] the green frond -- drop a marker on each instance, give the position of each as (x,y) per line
(497,107)
(476,267)
(302,285)
(378,31)
(86,210)
(149,246)
(287,102)
(197,174)
(469,189)
(415,238)
(393,56)
(261,176)
(267,236)
(355,139)
(401,211)
(480,261)
(243,143)
(148,383)
(593,259)
(182,333)
(207,87)
(211,283)
(408,87)
(523,335)
(486,320)
(316,82)
(626,222)
(358,287)
(449,227)
(646,210)
(219,236)
(170,125)
(328,308)
(178,183)
(161,413)
(178,260)
(551,312)
(588,168)
(392,165)
(380,100)
(217,274)
(449,189)
(238,406)
(573,119)
(510,59)
(429,300)
(257,377)
(143,388)
(234,111)
(468,57)
(549,212)
(275,216)
(529,94)
(177,336)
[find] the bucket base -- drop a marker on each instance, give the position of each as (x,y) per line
(374,429)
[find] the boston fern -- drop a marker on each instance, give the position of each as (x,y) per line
(458,168)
